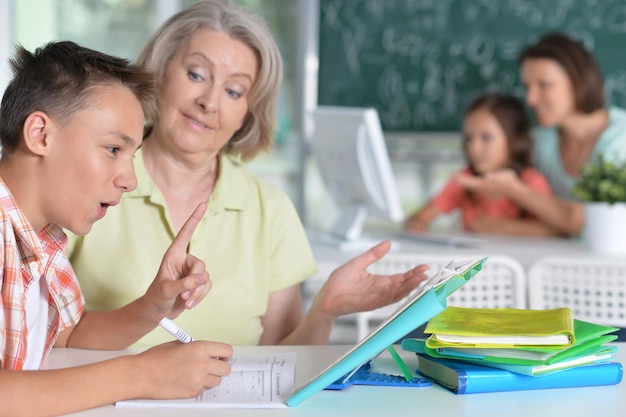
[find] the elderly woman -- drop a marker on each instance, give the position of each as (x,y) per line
(564,89)
(221,72)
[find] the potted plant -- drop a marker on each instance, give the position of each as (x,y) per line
(602,187)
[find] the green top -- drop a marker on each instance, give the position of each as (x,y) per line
(250,238)
(547,155)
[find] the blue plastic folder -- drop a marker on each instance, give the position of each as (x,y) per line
(468,378)
(428,301)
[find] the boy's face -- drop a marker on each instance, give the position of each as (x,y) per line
(91,159)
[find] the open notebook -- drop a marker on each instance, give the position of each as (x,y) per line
(254,382)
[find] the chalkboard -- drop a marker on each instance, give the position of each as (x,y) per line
(419,62)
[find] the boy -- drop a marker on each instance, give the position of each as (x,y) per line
(70,122)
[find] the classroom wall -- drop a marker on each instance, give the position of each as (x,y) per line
(6,43)
(421,62)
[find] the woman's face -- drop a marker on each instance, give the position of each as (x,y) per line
(485,142)
(549,91)
(204,96)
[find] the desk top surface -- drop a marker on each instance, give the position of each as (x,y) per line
(524,249)
(363,401)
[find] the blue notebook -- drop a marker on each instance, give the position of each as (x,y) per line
(467,378)
(428,300)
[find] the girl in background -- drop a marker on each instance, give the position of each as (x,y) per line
(496,136)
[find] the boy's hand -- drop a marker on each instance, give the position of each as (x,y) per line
(183,370)
(182,280)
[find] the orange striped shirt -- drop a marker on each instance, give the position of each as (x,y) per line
(26,256)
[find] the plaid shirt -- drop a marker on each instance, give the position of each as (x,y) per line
(26,256)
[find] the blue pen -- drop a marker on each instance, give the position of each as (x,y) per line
(173,329)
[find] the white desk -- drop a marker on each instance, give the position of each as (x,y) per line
(526,250)
(364,401)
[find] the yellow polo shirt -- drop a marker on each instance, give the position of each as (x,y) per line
(251,239)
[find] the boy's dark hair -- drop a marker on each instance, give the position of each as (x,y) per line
(510,114)
(58,79)
(578,63)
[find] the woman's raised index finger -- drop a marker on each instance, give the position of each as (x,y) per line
(183,237)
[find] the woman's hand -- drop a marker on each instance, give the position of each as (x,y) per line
(182,280)
(419,221)
(414,225)
(490,225)
(350,288)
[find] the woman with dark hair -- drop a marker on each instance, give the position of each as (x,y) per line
(564,88)
(495,137)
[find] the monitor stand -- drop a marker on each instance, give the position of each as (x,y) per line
(359,245)
(347,232)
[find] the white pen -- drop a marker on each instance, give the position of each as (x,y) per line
(173,329)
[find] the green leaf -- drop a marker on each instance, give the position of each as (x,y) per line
(602,180)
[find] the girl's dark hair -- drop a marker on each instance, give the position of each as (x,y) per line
(578,63)
(59,79)
(510,114)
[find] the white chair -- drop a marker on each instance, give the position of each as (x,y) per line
(594,288)
(501,283)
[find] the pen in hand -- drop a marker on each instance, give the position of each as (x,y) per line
(173,329)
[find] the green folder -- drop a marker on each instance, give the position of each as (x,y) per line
(601,355)
(501,328)
(590,337)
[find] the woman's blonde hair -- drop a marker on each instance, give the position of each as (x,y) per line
(256,133)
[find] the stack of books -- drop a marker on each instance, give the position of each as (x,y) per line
(485,350)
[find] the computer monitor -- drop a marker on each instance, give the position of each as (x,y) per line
(351,154)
